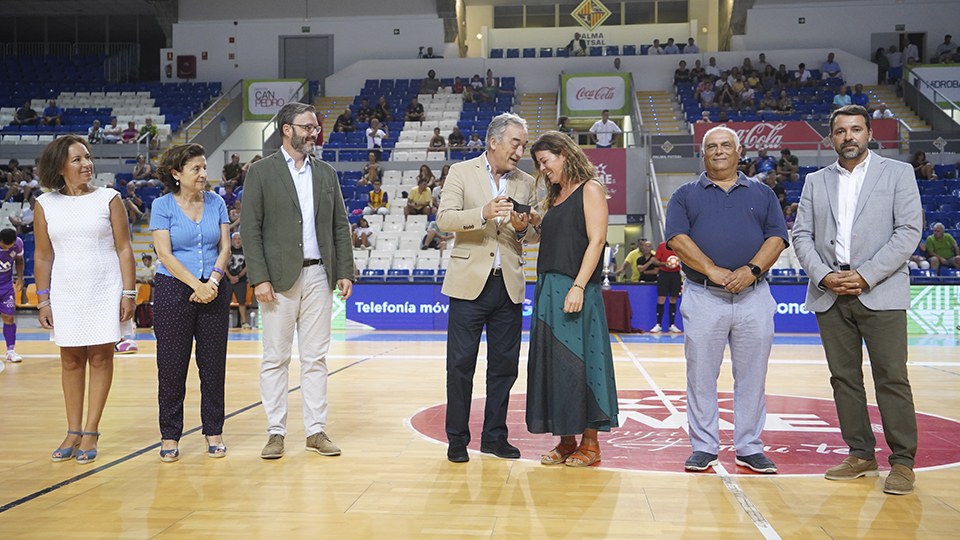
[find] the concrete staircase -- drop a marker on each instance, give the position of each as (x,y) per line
(185,135)
(328,109)
(540,112)
(661,113)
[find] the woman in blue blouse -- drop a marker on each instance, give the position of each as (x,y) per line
(191,234)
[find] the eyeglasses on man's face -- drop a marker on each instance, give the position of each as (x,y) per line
(310,128)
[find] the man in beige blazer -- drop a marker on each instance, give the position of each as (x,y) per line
(485,282)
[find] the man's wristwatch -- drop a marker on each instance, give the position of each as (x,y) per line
(755,270)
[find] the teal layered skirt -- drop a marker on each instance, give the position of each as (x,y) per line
(570,379)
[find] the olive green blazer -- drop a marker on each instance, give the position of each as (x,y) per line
(271,224)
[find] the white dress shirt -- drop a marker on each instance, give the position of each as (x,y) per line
(848,192)
(496,191)
(303,181)
(604,131)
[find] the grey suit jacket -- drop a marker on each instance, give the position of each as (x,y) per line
(272,224)
(886,230)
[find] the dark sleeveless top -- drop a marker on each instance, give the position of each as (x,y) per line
(563,239)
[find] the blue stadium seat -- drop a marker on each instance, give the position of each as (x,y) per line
(370,274)
(613,50)
(562,52)
(924,276)
(422,275)
(596,51)
(546,52)
(441,273)
(629,50)
(950,275)
(529,52)
(783,275)
(398,275)
(496,53)
(513,53)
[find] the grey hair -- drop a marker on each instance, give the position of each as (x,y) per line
(934,226)
(499,125)
(736,138)
(290,111)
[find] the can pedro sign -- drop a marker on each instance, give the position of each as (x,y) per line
(264,98)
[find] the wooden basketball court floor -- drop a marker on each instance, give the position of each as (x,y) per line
(395,482)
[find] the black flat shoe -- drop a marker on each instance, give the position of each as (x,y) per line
(500,448)
(457,453)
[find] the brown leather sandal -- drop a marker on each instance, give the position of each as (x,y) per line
(584,456)
(559,454)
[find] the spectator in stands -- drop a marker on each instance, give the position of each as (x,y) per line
(842,99)
(655,48)
(150,131)
(784,78)
(419,200)
(769,77)
(11,173)
(747,67)
(361,233)
(788,166)
(790,215)
(704,118)
(24,220)
(762,64)
(911,55)
(379,202)
(744,164)
(922,168)
(671,48)
(371,171)
(616,65)
(431,83)
(491,89)
(722,117)
(52,115)
(883,65)
(237,275)
(375,135)
(882,112)
(246,169)
(133,204)
(942,249)
(894,57)
(427,174)
(945,50)
(785,104)
(738,84)
(474,141)
(344,123)
(142,171)
(604,133)
(830,69)
(130,134)
(919,258)
(25,116)
(768,103)
(456,139)
(697,73)
(414,111)
(803,77)
(435,196)
(859,98)
(383,111)
(577,46)
(691,47)
(708,97)
(712,68)
(95,133)
(437,142)
(746,97)
(229,197)
(727,98)
(231,172)
(147,270)
(754,79)
(457,87)
(763,165)
(234,215)
(435,238)
(681,74)
(113,133)
(365,112)
(641,262)
(429,53)
(771,181)
(475,90)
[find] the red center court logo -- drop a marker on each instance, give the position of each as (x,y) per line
(801,435)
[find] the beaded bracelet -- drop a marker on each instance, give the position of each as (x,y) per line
(43,304)
(43,291)
(575,284)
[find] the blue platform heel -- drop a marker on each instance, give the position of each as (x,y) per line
(216,451)
(169,456)
(88,456)
(66,454)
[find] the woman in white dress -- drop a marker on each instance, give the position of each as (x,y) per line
(86,283)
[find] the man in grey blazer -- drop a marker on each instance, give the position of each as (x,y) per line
(298,249)
(858,222)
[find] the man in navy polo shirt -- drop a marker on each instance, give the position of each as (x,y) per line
(728,230)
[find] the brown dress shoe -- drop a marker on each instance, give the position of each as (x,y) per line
(853,468)
(274,447)
(900,481)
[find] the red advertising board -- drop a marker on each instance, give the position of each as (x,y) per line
(792,135)
(611,164)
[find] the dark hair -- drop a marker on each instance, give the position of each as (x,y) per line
(54,157)
(785,152)
(8,236)
(174,159)
(850,110)
(576,167)
(605,111)
(290,111)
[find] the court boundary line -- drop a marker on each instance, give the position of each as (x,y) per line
(136,453)
(729,482)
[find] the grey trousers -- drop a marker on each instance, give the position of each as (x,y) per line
(843,329)
(711,319)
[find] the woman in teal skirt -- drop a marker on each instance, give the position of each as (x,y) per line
(571,389)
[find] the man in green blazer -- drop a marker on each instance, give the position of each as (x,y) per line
(298,250)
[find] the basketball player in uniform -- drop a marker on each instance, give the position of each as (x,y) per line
(668,284)
(11,254)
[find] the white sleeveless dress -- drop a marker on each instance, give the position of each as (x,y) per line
(85,284)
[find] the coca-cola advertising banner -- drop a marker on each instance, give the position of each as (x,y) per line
(587,94)
(793,135)
(611,164)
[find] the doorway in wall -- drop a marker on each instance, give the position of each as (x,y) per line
(306,57)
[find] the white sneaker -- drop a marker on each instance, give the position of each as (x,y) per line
(656,329)
(675,330)
(13,357)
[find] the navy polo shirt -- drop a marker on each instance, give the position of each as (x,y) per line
(729,227)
